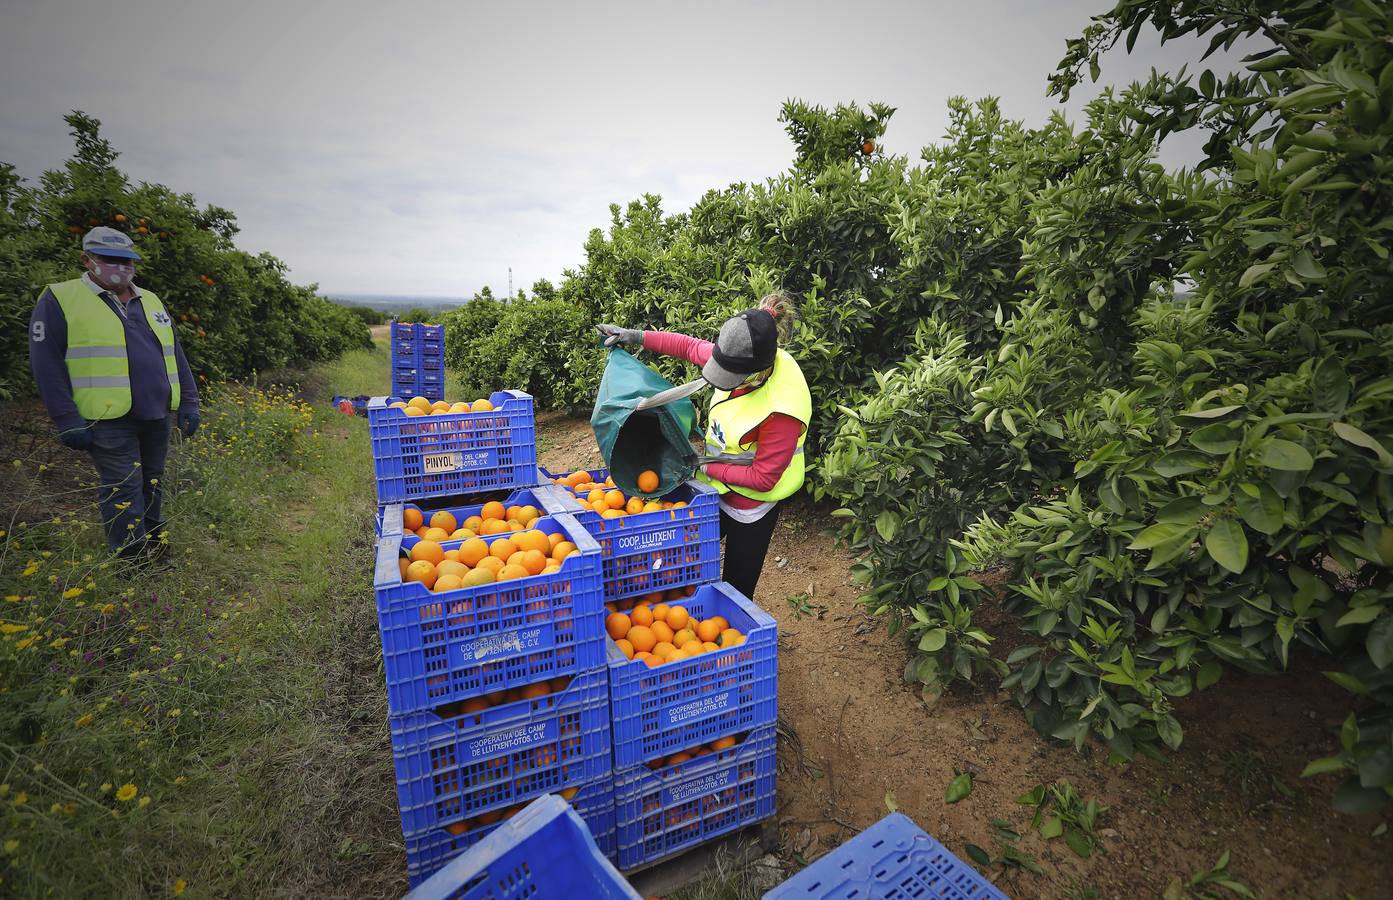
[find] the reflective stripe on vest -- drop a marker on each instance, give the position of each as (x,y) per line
(731,418)
(96,356)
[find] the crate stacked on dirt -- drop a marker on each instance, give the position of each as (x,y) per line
(892,858)
(693,731)
(494,655)
(418,360)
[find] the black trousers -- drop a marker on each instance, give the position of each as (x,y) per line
(746,547)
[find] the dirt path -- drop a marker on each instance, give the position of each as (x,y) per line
(856,732)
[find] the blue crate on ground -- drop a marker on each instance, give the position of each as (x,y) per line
(462,760)
(894,858)
(654,551)
(426,853)
(666,709)
(426,332)
(389,516)
(659,813)
(453,453)
(544,851)
(454,645)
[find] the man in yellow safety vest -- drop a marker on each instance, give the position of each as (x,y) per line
(112,375)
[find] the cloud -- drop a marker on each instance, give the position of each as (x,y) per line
(424,148)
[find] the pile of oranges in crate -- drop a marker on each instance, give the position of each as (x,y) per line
(420,406)
(663,633)
(691,753)
(524,551)
(609,501)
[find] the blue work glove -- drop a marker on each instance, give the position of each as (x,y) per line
(188,423)
(614,335)
(77,438)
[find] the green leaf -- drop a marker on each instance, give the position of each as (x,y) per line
(1227,545)
(1208,674)
(1262,513)
(1255,272)
(1307,267)
(1180,462)
(1359,615)
(958,788)
(1354,799)
(1349,433)
(1323,766)
(1184,511)
(1285,456)
(1216,439)
(1348,682)
(1051,827)
(1158,534)
(890,803)
(1169,730)
(1379,641)
(933,640)
(1033,797)
(887,524)
(978,855)
(1330,385)
(1078,842)
(1217,412)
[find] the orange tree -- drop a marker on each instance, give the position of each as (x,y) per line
(236,313)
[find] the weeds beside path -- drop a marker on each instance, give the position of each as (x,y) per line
(220,729)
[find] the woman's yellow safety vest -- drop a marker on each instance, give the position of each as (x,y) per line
(731,418)
(96,357)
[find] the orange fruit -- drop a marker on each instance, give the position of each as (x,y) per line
(614,499)
(661,630)
(577,478)
(660,612)
(447,583)
(721,622)
(648,481)
(533,691)
(609,481)
(678,656)
(595,496)
(534,561)
(724,743)
(708,646)
(461,534)
(436,534)
(708,630)
(402,563)
(413,411)
(643,638)
(652,506)
(451,567)
(617,624)
(533,540)
(456,408)
(731,638)
(411,518)
(503,548)
(513,513)
(642,615)
(430,551)
(491,563)
(608,513)
(492,510)
(422,570)
(458,828)
(452,555)
(664,649)
(481,406)
(512,573)
(420,403)
(529,514)
(634,506)
(474,523)
(681,637)
(652,661)
(626,647)
(555,538)
(676,758)
(443,519)
(677,617)
(562,550)
(692,648)
(473,550)
(480,576)
(495,526)
(550,567)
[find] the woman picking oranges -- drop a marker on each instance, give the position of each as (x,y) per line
(756,424)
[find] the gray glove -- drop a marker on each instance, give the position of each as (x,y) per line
(614,335)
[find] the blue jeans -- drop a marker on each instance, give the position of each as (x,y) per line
(129,455)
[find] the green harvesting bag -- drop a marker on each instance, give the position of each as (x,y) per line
(631,439)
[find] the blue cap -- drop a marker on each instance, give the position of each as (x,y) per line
(109,242)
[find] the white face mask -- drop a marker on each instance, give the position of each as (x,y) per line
(112,275)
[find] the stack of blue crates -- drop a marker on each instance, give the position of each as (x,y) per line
(418,360)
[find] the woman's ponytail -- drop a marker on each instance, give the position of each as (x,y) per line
(784,310)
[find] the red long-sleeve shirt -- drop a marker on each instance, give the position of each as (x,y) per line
(775,438)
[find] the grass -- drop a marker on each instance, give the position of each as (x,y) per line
(220,728)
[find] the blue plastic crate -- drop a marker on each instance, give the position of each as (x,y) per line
(659,813)
(654,551)
(666,709)
(454,645)
(425,377)
(544,851)
(426,853)
(454,453)
(391,513)
(453,764)
(426,332)
(894,859)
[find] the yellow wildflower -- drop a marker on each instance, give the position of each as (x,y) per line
(70,593)
(11,598)
(21,798)
(84,720)
(144,801)
(27,642)
(180,886)
(126,792)
(11,845)
(106,786)
(12,628)
(30,569)
(180,780)
(175,713)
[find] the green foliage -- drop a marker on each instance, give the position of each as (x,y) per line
(1060,811)
(369,315)
(1176,481)
(235,313)
(523,345)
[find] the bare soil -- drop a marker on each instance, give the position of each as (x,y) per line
(855,735)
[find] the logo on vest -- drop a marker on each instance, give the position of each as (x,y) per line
(718,435)
(162,318)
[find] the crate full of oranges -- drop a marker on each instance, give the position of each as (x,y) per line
(424,449)
(648,543)
(466,616)
(688,673)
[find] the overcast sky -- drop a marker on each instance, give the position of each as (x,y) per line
(423,148)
